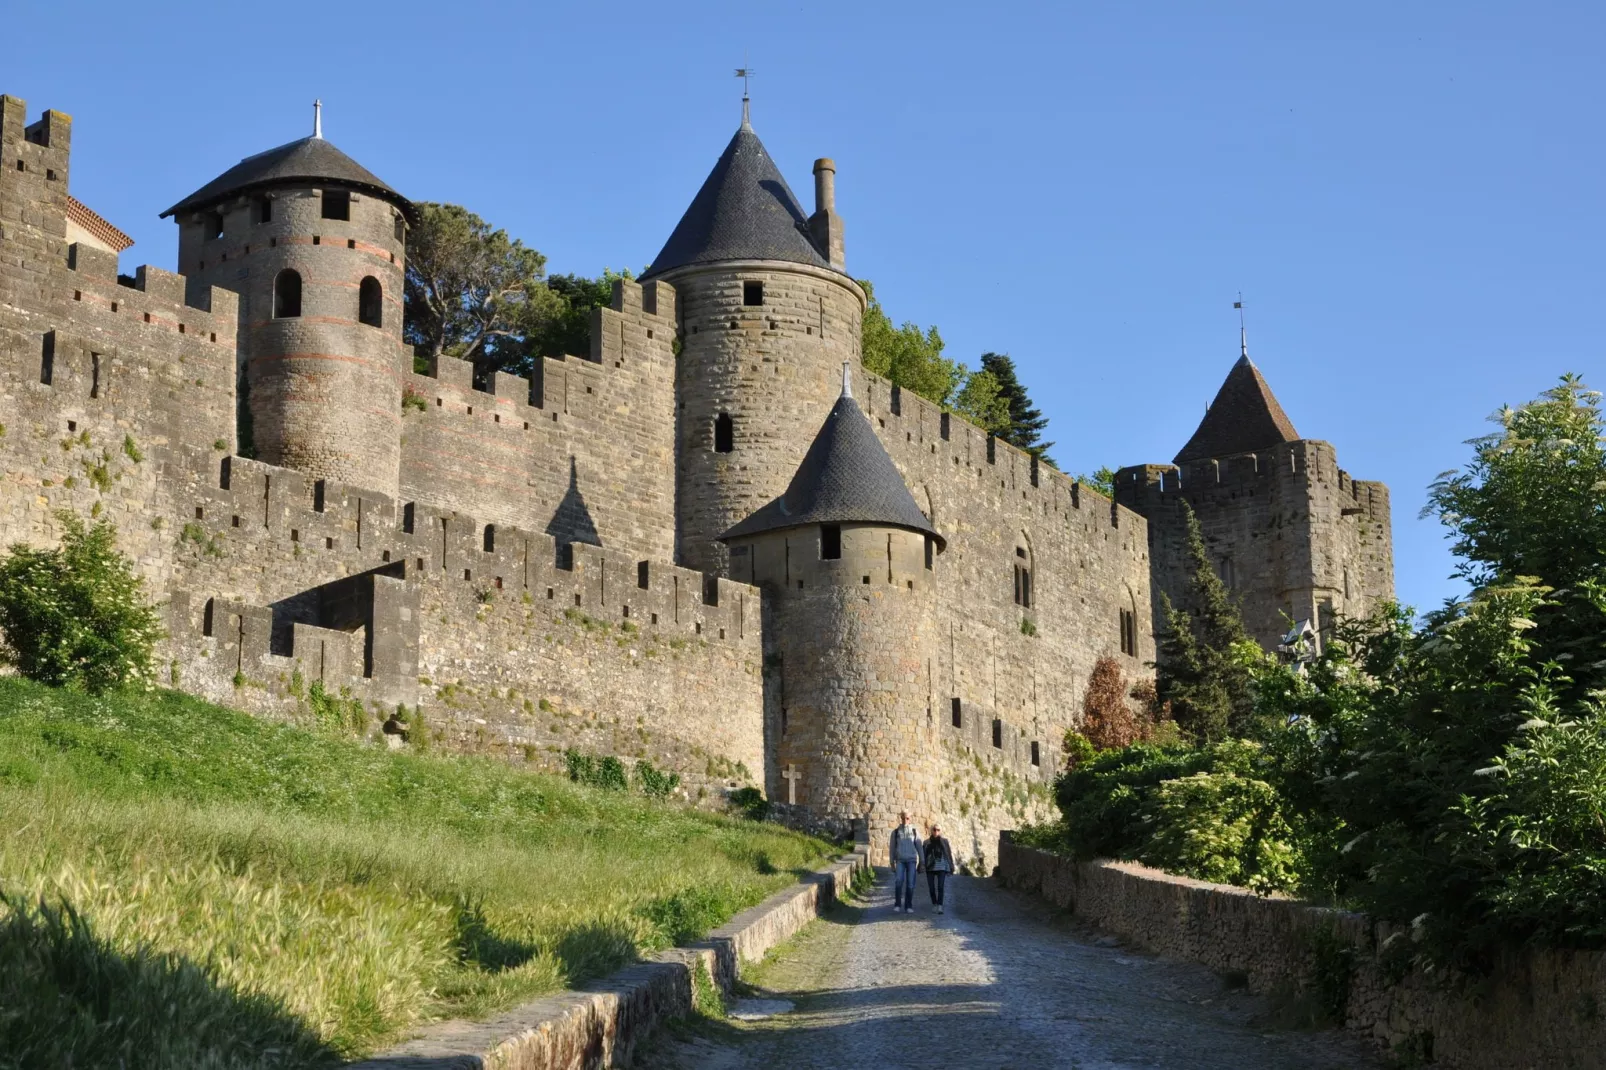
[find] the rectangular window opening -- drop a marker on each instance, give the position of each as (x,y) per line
(998,734)
(830,542)
(1037,756)
(47,358)
(752,293)
(336,204)
(958,715)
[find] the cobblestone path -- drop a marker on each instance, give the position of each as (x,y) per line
(998,981)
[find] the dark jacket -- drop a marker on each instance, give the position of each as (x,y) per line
(939,856)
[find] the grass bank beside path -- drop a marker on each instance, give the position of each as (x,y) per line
(185,885)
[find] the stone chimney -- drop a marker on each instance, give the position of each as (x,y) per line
(825,224)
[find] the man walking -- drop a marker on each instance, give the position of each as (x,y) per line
(904,853)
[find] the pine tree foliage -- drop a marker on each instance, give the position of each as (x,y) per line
(1198,668)
(1026,421)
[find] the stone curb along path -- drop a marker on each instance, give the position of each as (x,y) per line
(599,1024)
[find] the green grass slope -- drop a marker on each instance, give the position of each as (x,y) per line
(185,885)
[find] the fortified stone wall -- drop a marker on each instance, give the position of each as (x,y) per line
(502,649)
(584,452)
(1291,534)
(1003,695)
(1533,1009)
(118,401)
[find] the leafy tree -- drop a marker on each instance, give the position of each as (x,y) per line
(908,356)
(1026,421)
(911,357)
(1102,481)
(1200,668)
(980,402)
(471,292)
(77,615)
(1107,718)
(568,330)
(1532,502)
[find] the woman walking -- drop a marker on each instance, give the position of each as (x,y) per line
(939,863)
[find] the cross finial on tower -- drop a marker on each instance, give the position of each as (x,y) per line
(1243,334)
(745,74)
(847,381)
(317,119)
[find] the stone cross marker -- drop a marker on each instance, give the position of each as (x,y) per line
(791,775)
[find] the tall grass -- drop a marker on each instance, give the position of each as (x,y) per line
(316,891)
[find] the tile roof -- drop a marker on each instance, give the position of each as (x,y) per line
(1243,418)
(309,160)
(745,211)
(97,224)
(846,477)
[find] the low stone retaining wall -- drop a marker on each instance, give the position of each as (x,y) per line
(1538,1010)
(599,1025)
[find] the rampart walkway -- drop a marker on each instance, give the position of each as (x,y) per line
(998,981)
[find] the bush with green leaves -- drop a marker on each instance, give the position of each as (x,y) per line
(1448,773)
(654,782)
(77,615)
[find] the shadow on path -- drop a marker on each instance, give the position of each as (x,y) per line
(998,981)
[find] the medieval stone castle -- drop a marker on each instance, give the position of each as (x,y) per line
(713,541)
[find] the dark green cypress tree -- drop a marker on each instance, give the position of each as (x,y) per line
(1195,668)
(1026,421)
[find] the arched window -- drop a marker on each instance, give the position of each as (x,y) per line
(1023,575)
(724,433)
(490,538)
(371,302)
(287,294)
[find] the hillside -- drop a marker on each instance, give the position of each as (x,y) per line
(220,891)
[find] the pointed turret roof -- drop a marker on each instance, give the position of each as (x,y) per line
(309,160)
(845,478)
(745,211)
(1244,417)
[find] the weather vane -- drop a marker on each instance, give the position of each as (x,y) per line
(1243,334)
(745,74)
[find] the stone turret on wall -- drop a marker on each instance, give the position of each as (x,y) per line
(845,562)
(1292,535)
(315,246)
(767,318)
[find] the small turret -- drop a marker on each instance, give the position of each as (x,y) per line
(315,245)
(845,559)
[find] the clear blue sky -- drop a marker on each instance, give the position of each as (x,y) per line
(1409,195)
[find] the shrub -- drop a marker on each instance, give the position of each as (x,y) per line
(654,782)
(77,615)
(1221,827)
(607,772)
(751,802)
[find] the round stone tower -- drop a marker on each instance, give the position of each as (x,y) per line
(767,317)
(314,244)
(845,562)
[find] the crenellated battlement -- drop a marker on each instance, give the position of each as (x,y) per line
(974,453)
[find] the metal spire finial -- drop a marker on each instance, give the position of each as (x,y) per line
(317,119)
(745,74)
(847,380)
(1243,334)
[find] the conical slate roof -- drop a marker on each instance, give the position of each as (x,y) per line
(745,211)
(846,477)
(1244,417)
(312,159)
